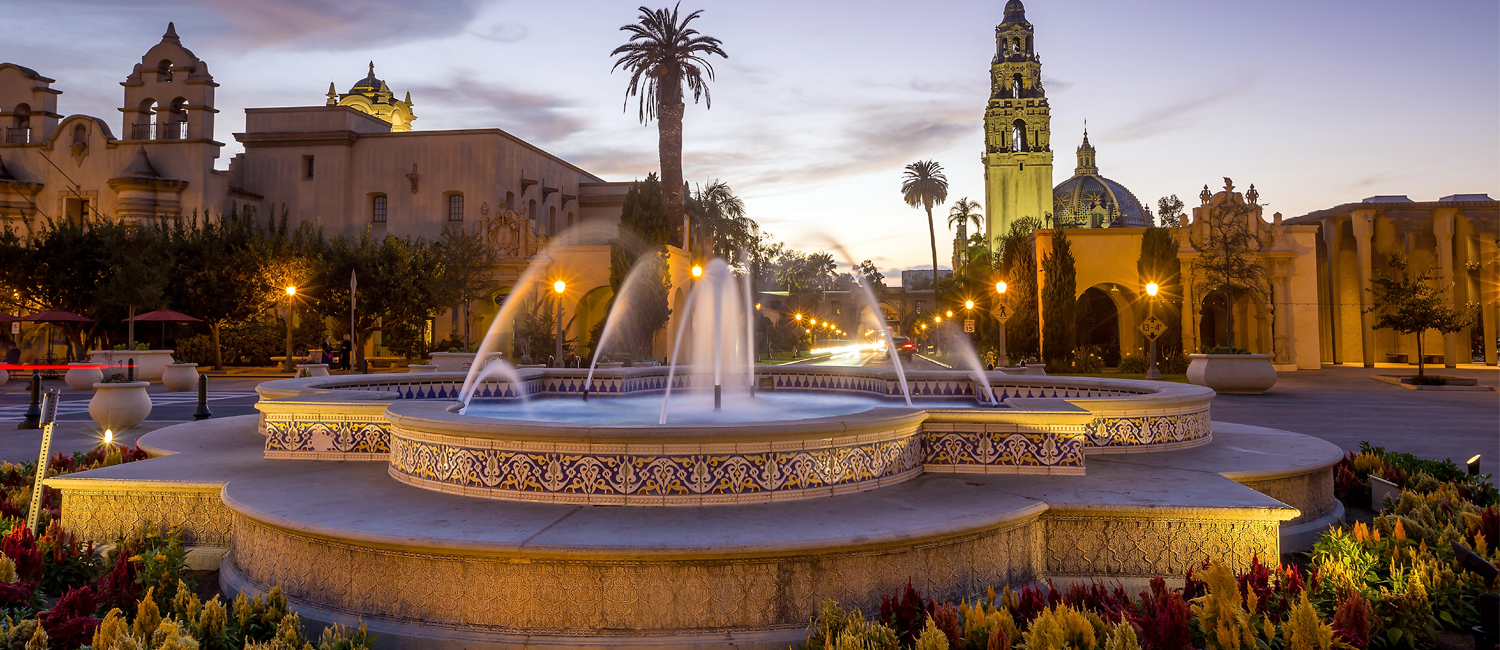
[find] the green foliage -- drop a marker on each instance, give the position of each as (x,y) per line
(1158,263)
(1228,261)
(1018,268)
(924,185)
(1413,304)
(252,342)
(401,280)
(1135,364)
(1226,349)
(1058,301)
(645,232)
(1169,211)
(469,265)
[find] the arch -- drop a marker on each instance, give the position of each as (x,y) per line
(510,201)
(177,119)
(1015,86)
(592,308)
(1099,321)
(1250,321)
(20,132)
(455,205)
(80,135)
(164,70)
(531,214)
(379,206)
(552,225)
(145,120)
(1018,136)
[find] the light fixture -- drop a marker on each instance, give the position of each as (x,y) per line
(757,306)
(559,286)
(968,304)
(291,291)
(697,271)
(1151,288)
(1000,287)
(950,314)
(1474,465)
(799,316)
(109,437)
(938,319)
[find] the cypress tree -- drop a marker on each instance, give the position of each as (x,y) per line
(1018,267)
(1059,304)
(644,230)
(1158,263)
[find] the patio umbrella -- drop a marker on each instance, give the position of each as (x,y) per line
(54,316)
(164,316)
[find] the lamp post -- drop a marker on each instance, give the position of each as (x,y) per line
(289,364)
(1001,358)
(559,287)
(1151,371)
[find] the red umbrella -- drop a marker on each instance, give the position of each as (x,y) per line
(164,316)
(55,316)
(6,318)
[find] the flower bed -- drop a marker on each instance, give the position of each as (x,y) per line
(142,599)
(1394,584)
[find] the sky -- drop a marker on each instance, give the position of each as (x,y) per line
(821,104)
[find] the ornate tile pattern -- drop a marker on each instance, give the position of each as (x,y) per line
(297,437)
(1312,493)
(1158,546)
(102,516)
(978,450)
(621,594)
(1153,429)
(691,478)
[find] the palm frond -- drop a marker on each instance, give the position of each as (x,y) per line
(661,55)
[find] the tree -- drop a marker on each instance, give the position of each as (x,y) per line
(720,224)
(468,270)
(1059,302)
(963,212)
(399,280)
(645,229)
(664,53)
(1158,263)
(1413,304)
(1169,210)
(1229,262)
(924,185)
(1018,270)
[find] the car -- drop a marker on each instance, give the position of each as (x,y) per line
(904,347)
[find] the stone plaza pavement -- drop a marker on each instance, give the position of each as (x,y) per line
(1340,404)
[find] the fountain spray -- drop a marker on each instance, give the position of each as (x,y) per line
(611,324)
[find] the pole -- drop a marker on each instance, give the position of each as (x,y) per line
(1152,372)
(202,413)
(1003,359)
(353,285)
(44,455)
(131,336)
(33,418)
(289,364)
(557,361)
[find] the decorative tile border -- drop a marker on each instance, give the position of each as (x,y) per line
(512,472)
(976,450)
(1154,431)
(328,439)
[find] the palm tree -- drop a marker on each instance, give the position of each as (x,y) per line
(925,185)
(962,212)
(662,54)
(720,221)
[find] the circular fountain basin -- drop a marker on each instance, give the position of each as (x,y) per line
(693,407)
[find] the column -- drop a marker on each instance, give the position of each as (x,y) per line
(1281,333)
(1487,299)
(1364,230)
(1332,230)
(1455,345)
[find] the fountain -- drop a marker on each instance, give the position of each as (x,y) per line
(495,508)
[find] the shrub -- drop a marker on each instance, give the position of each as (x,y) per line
(1429,380)
(1088,360)
(1173,364)
(1226,349)
(1134,364)
(198,349)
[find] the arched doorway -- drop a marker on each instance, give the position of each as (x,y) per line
(591,310)
(1249,322)
(1099,322)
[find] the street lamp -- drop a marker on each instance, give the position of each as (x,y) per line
(559,287)
(1002,359)
(289,364)
(1152,372)
(697,271)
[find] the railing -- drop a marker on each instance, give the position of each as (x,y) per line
(18,135)
(161,131)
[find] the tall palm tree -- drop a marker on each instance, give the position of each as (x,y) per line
(720,221)
(962,212)
(925,185)
(662,54)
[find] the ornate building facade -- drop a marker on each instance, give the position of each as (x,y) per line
(373,97)
(1017,129)
(1088,200)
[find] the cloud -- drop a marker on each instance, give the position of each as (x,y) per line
(1176,115)
(307,24)
(503,32)
(531,116)
(1055,86)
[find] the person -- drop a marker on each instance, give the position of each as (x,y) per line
(346,350)
(12,355)
(328,356)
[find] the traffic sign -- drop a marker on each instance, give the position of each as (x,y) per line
(1152,327)
(1000,312)
(969,325)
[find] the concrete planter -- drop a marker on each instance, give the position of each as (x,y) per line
(1232,374)
(149,364)
(180,377)
(4,377)
(313,369)
(83,375)
(120,406)
(420,368)
(1036,369)
(457,361)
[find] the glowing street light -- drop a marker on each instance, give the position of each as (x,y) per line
(968,304)
(291,291)
(559,287)
(109,437)
(939,319)
(289,363)
(1001,358)
(799,317)
(1152,372)
(697,271)
(950,313)
(1151,289)
(999,287)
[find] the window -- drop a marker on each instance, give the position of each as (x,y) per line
(164,70)
(921,306)
(76,208)
(455,207)
(510,201)
(552,220)
(377,209)
(307,167)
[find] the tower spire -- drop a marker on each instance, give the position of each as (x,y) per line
(372,68)
(1087,166)
(171,34)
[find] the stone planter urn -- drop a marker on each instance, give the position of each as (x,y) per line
(313,369)
(420,368)
(180,377)
(83,375)
(1036,369)
(149,364)
(1232,374)
(4,377)
(120,406)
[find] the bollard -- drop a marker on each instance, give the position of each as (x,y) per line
(33,419)
(202,413)
(130,369)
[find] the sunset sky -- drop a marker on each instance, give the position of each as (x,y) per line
(821,104)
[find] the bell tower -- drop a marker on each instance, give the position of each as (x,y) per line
(169,95)
(1017,129)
